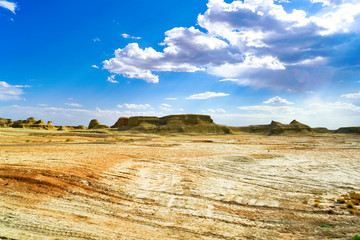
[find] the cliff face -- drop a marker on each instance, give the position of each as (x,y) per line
(185,123)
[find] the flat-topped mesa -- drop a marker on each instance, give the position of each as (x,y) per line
(184,123)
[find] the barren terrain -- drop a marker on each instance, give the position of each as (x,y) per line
(103,185)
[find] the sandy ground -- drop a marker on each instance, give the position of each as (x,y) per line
(107,186)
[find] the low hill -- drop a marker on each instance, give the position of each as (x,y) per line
(351,130)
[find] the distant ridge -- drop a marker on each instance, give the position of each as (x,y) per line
(277,128)
(181,124)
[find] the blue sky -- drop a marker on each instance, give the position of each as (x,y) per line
(242,62)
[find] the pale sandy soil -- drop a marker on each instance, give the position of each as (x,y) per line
(178,187)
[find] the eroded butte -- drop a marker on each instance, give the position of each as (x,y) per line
(107,186)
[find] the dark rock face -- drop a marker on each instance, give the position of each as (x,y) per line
(94,124)
(121,122)
(185,123)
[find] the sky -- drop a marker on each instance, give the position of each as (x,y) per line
(242,62)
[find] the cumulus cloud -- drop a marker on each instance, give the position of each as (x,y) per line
(96,39)
(73,104)
(94,66)
(11,92)
(257,43)
(8,5)
(171,99)
(277,100)
(134,106)
(125,35)
(206,95)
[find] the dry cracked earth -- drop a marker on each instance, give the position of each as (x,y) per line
(107,186)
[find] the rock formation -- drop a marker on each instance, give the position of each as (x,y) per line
(185,123)
(121,122)
(6,122)
(30,123)
(277,128)
(94,124)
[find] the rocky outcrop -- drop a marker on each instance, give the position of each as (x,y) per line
(121,122)
(6,122)
(94,124)
(277,128)
(185,123)
(69,128)
(32,123)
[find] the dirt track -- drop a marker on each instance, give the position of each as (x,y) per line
(184,187)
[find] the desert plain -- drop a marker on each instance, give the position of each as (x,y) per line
(105,184)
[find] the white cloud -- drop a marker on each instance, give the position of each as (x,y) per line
(324,2)
(11,92)
(71,116)
(277,100)
(170,99)
(351,95)
(315,113)
(8,5)
(250,63)
(96,39)
(124,35)
(94,66)
(278,110)
(134,106)
(165,107)
(256,42)
(340,20)
(241,82)
(112,79)
(73,104)
(207,95)
(210,110)
(42,105)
